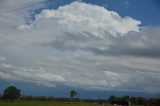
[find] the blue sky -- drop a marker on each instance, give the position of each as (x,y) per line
(97,47)
(146,11)
(63,91)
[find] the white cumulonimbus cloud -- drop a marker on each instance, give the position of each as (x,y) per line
(81,17)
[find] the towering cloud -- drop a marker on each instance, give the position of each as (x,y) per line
(80,45)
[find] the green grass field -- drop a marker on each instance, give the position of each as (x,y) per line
(34,103)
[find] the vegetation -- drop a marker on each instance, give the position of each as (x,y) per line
(34,103)
(73,93)
(136,100)
(11,93)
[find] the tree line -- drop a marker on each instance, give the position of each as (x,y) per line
(12,93)
(136,100)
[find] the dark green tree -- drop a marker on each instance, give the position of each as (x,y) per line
(111,99)
(11,93)
(125,98)
(73,93)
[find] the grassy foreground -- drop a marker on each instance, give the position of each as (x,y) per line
(34,103)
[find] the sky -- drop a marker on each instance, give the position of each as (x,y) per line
(97,47)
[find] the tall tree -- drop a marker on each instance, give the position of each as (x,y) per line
(73,93)
(111,99)
(11,93)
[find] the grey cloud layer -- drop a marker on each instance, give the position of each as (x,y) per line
(141,44)
(74,46)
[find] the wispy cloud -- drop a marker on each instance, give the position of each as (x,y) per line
(126,3)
